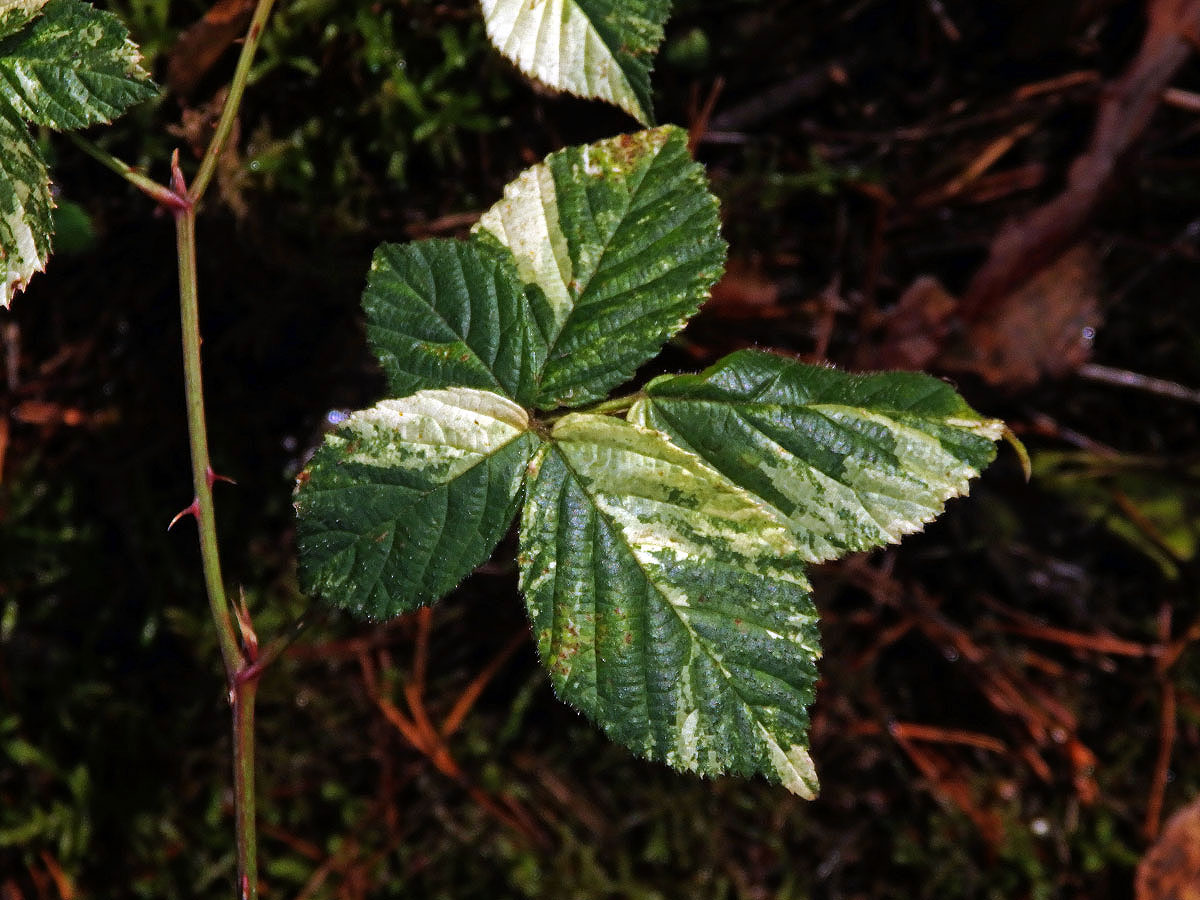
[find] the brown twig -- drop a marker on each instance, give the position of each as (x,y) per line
(700,114)
(1166,736)
(467,698)
(1136,381)
(914,731)
(1028,246)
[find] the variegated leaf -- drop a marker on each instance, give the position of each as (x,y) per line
(621,239)
(26,219)
(602,49)
(73,66)
(16,14)
(406,498)
(452,314)
(63,64)
(849,462)
(667,604)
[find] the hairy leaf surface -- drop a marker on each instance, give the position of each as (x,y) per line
(452,314)
(668,605)
(601,49)
(406,498)
(849,462)
(621,239)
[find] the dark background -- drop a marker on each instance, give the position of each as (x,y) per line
(995,717)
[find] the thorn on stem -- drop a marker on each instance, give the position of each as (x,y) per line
(213,478)
(178,184)
(193,511)
(246,627)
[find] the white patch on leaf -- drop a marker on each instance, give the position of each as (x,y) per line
(794,767)
(526,222)
(555,42)
(454,428)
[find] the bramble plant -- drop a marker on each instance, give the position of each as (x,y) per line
(63,65)
(664,533)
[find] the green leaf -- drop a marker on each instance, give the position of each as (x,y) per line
(63,64)
(668,605)
(600,49)
(621,240)
(25,208)
(73,66)
(408,497)
(849,462)
(451,314)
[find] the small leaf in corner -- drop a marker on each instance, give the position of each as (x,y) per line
(590,48)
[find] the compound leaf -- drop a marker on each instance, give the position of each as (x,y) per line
(849,462)
(621,240)
(447,313)
(668,605)
(72,66)
(406,498)
(601,49)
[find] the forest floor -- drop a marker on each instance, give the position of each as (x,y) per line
(1006,195)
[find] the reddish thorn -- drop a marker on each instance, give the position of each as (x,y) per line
(178,185)
(193,510)
(213,478)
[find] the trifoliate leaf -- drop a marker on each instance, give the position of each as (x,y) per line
(849,462)
(25,208)
(622,240)
(406,498)
(668,605)
(72,66)
(602,49)
(452,314)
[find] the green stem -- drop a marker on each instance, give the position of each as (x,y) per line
(243,667)
(233,102)
(243,786)
(240,671)
(143,183)
(202,473)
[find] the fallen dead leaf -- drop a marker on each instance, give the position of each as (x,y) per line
(1170,870)
(745,292)
(201,45)
(1044,328)
(915,330)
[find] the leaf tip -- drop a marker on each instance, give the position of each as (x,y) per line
(796,770)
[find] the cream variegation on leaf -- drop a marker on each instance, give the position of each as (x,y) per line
(602,49)
(662,553)
(63,65)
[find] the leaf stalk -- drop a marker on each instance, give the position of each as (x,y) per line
(237,87)
(164,196)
